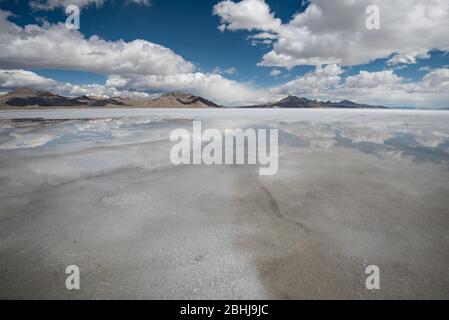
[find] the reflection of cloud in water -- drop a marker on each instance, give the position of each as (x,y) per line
(315,135)
(357,135)
(395,155)
(417,142)
(27,140)
(400,146)
(36,133)
(106,189)
(413,139)
(431,138)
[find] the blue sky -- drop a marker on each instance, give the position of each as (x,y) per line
(187,27)
(190,30)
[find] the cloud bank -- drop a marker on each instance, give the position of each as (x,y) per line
(334,32)
(53,4)
(138,64)
(328,34)
(380,87)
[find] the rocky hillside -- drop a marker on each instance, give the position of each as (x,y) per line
(31,98)
(177,100)
(25,97)
(295,102)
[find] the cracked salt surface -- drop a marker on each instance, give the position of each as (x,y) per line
(95,188)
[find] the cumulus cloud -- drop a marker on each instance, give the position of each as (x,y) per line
(231,71)
(329,34)
(321,80)
(56,47)
(385,86)
(21,78)
(334,32)
(213,86)
(366,79)
(52,4)
(409,57)
(141,2)
(246,15)
(380,87)
(138,65)
(275,73)
(16,78)
(437,80)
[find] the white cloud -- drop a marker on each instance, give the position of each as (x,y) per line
(231,71)
(56,47)
(211,86)
(52,4)
(264,35)
(275,73)
(130,66)
(247,15)
(437,80)
(366,79)
(378,88)
(141,2)
(319,81)
(425,68)
(22,78)
(334,32)
(12,79)
(409,57)
(139,67)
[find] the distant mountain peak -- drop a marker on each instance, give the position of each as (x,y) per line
(292,101)
(295,102)
(290,98)
(178,99)
(348,102)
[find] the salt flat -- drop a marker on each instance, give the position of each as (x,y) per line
(220,113)
(95,188)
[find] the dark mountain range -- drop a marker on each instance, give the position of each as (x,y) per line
(351,104)
(295,102)
(25,97)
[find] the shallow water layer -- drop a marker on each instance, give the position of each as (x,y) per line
(96,188)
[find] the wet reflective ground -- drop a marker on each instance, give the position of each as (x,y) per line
(96,188)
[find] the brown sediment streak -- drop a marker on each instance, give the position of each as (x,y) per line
(277,211)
